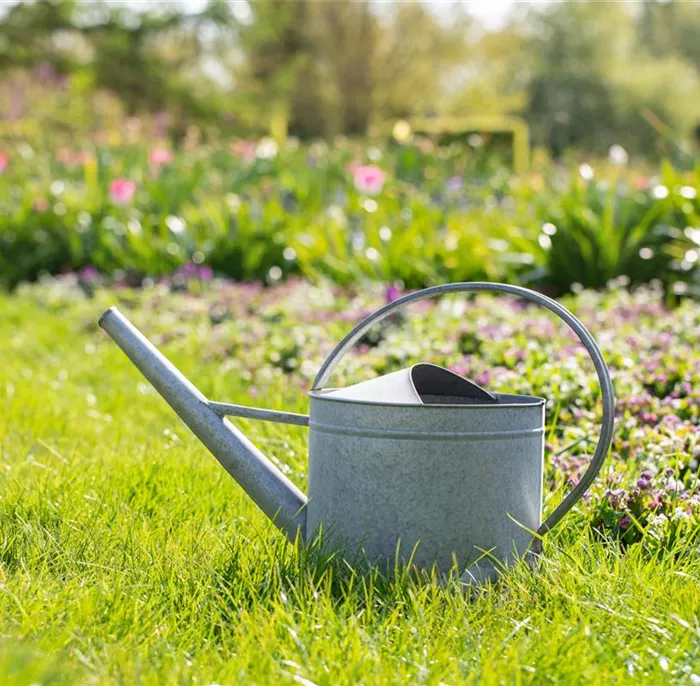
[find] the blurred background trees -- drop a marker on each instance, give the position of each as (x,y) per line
(583,74)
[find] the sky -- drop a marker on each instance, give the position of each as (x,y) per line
(491,13)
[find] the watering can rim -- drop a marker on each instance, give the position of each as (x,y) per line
(532,401)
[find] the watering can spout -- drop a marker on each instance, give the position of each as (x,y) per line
(278,497)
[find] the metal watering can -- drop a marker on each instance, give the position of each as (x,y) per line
(419,464)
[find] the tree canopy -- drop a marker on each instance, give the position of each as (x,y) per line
(583,74)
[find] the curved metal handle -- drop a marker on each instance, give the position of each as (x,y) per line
(606,387)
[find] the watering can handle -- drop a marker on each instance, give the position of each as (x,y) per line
(607,423)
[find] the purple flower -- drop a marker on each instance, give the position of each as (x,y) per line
(643,484)
(392,293)
(615,497)
(625,522)
(190,270)
(89,273)
(45,71)
(454,184)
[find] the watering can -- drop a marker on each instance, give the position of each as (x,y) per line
(419,465)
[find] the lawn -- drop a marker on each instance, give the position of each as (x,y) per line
(128,555)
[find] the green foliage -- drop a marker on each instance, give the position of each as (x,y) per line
(598,231)
(258,213)
(593,79)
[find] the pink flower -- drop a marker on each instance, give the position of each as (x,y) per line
(3,162)
(121,191)
(245,149)
(368,179)
(641,182)
(160,156)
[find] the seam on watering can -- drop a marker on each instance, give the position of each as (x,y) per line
(420,435)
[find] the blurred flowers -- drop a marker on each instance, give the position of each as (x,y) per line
(617,155)
(160,156)
(266,149)
(586,171)
(191,270)
(244,149)
(3,162)
(393,292)
(454,185)
(121,191)
(368,179)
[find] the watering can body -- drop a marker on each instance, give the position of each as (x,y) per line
(433,484)
(418,466)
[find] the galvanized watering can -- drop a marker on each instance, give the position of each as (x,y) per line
(419,464)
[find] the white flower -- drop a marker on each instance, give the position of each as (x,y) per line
(586,171)
(659,192)
(374,154)
(266,149)
(658,520)
(618,155)
(175,224)
(679,514)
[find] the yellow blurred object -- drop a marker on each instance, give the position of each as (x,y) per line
(90,172)
(440,125)
(537,182)
(279,125)
(402,131)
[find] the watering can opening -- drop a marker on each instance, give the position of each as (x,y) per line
(421,384)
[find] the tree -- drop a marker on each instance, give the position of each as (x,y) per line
(595,76)
(418,59)
(145,57)
(345,34)
(273,44)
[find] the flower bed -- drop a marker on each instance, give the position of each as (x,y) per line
(413,213)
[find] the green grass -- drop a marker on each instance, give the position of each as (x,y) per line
(127,555)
